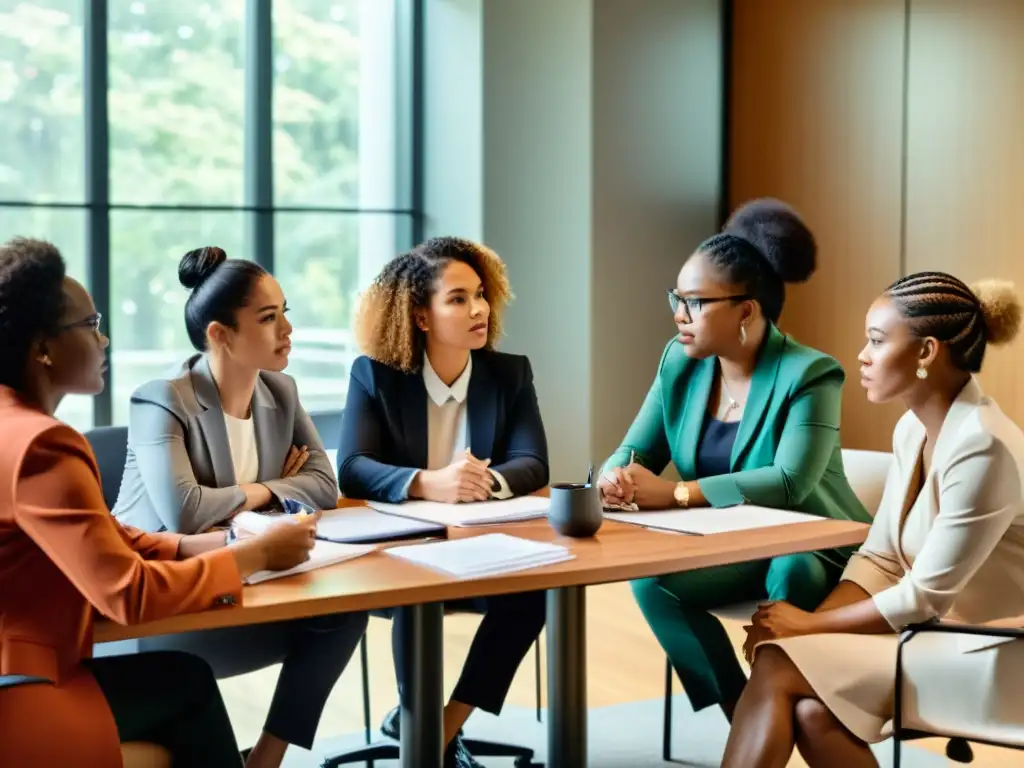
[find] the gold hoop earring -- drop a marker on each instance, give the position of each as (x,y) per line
(743,335)
(922,372)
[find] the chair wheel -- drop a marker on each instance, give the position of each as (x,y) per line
(959,750)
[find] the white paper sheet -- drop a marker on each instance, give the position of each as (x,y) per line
(485,555)
(324,553)
(708,520)
(465,515)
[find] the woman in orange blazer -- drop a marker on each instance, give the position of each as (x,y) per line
(62,556)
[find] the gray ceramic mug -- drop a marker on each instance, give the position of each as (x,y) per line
(575,509)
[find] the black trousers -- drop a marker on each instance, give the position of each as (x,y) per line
(510,626)
(171,699)
(312,653)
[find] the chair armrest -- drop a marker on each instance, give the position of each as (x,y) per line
(10,681)
(937,626)
(955,628)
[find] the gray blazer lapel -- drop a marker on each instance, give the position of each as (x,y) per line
(273,438)
(211,422)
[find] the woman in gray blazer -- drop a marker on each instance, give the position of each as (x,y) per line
(225,433)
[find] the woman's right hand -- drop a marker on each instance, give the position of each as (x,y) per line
(616,486)
(283,545)
(297,458)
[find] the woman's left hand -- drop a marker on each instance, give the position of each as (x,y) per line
(650,491)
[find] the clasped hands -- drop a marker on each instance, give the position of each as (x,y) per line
(465,479)
(775,621)
(636,484)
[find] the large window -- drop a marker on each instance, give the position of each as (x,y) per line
(280,130)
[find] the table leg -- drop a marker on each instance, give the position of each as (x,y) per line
(423,690)
(567,677)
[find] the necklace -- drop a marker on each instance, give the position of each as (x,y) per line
(731,403)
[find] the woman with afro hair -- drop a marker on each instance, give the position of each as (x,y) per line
(747,416)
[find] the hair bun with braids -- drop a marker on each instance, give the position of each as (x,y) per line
(1001,309)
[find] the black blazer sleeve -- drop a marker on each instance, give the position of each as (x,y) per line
(361,472)
(525,464)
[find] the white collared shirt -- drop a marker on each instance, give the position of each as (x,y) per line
(448,422)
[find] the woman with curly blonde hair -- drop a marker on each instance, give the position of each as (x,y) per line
(435,412)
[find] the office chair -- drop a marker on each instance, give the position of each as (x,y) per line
(959,748)
(387,749)
(110,444)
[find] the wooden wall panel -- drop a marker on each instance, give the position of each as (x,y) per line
(965,164)
(816,120)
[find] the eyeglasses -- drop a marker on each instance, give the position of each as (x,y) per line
(694,305)
(92,322)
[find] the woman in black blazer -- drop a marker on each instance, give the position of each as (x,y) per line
(435,413)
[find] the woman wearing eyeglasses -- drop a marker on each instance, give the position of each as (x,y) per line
(746,415)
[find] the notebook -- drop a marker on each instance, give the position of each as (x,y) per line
(479,556)
(469,514)
(348,525)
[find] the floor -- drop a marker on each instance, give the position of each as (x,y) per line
(624,666)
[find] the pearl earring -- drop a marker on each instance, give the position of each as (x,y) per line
(922,372)
(45,360)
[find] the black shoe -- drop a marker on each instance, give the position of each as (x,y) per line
(392,723)
(457,756)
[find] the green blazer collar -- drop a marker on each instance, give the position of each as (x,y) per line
(699,391)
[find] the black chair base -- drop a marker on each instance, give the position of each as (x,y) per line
(387,749)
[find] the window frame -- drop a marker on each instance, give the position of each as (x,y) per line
(258,205)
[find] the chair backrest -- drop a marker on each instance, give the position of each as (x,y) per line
(328,424)
(866,471)
(110,444)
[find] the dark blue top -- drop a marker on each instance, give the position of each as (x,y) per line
(714,450)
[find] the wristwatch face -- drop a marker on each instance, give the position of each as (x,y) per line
(680,494)
(495,485)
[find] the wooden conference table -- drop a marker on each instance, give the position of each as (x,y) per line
(618,552)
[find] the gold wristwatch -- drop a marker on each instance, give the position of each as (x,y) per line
(682,495)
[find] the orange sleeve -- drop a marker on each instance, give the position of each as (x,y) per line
(59,504)
(153,546)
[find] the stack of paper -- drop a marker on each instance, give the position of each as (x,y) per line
(465,515)
(479,556)
(707,520)
(324,553)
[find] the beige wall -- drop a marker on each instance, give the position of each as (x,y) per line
(965,161)
(586,150)
(817,119)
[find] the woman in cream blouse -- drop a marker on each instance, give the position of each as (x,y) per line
(948,541)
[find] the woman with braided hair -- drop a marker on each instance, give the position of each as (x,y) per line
(434,412)
(746,415)
(948,542)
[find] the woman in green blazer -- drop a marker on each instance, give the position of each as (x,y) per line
(747,416)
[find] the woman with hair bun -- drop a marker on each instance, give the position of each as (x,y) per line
(948,542)
(746,415)
(224,433)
